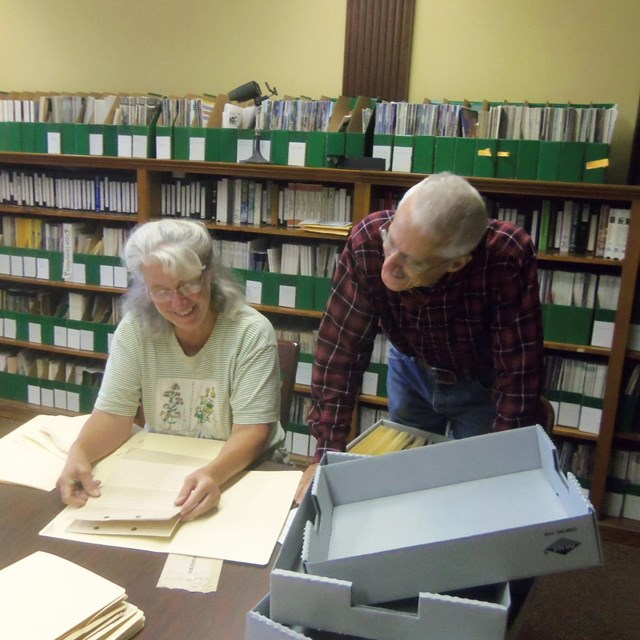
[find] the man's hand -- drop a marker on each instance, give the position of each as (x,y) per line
(305,482)
(200,493)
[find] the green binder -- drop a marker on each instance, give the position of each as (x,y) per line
(423,153)
(444,154)
(164,142)
(464,156)
(10,136)
(549,160)
(402,159)
(316,152)
(571,161)
(484,161)
(506,159)
(596,162)
(527,159)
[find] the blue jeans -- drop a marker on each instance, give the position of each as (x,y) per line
(417,399)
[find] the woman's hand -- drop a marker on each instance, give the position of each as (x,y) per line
(200,493)
(76,482)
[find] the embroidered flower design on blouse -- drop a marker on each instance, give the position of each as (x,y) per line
(204,411)
(171,408)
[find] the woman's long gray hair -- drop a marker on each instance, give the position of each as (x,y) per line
(184,248)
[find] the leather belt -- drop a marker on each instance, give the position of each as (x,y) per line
(445,376)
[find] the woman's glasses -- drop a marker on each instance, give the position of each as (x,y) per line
(185,290)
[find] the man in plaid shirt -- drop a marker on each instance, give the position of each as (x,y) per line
(457,296)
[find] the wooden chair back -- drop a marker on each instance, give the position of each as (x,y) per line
(288,353)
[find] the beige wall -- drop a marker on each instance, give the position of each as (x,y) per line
(556,50)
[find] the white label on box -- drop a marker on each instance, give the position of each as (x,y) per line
(35,332)
(402,159)
(73,401)
(370,383)
(300,444)
(73,338)
(265,149)
(382,151)
(96,144)
(139,148)
(163,147)
(631,508)
(59,398)
(196,149)
(54,142)
(120,277)
(29,266)
(33,394)
(59,336)
(303,373)
(569,414)
(5,264)
(602,335)
(297,152)
(78,273)
(86,339)
(10,328)
(244,150)
(253,291)
(287,296)
(125,146)
(16,266)
(46,397)
(106,275)
(109,341)
(590,418)
(42,268)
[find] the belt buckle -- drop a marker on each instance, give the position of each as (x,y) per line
(444,376)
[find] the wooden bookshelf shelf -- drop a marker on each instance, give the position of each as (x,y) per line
(367,189)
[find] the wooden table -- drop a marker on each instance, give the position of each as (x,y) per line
(170,613)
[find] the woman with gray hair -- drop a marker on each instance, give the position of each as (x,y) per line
(189,351)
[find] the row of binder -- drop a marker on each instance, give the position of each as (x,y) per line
(58,332)
(494,158)
(47,393)
(105,271)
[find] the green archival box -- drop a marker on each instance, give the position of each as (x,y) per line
(423,153)
(506,159)
(527,159)
(484,161)
(444,154)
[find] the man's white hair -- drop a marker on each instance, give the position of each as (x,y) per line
(451,210)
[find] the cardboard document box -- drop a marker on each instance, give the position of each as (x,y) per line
(300,604)
(470,512)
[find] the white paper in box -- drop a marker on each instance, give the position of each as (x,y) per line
(300,604)
(469,512)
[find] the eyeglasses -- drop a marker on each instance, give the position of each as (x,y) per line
(185,290)
(415,266)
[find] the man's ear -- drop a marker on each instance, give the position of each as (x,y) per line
(458,263)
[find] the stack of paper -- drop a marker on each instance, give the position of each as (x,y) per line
(334,227)
(34,454)
(45,597)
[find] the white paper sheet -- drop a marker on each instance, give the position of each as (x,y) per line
(244,528)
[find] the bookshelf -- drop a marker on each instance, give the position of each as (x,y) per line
(368,189)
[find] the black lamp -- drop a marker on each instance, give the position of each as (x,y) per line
(244,93)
